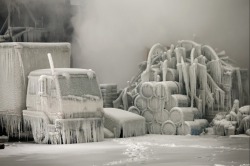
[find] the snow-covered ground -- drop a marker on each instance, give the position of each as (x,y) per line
(154,150)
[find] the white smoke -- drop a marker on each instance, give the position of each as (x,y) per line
(113,36)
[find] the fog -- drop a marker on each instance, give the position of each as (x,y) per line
(112,37)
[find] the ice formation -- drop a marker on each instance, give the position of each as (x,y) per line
(168,128)
(17,60)
(37,122)
(237,121)
(188,75)
(80,130)
(195,127)
(71,103)
(180,114)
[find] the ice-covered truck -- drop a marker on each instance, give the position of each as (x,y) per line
(64,105)
(17,60)
(57,105)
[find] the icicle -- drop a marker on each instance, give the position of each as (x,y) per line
(180,52)
(215,69)
(185,75)
(36,122)
(227,83)
(209,97)
(21,65)
(11,101)
(239,85)
(12,123)
(202,77)
(192,55)
(192,73)
(179,68)
(80,131)
(164,70)
(219,93)
(183,52)
(222,99)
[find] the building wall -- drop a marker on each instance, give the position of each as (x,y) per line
(113,36)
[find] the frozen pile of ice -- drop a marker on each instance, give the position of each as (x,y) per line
(237,121)
(178,86)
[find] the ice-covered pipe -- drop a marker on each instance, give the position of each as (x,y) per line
(51,63)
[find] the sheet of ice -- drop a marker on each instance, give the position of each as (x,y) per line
(154,150)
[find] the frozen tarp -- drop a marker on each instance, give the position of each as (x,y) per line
(124,123)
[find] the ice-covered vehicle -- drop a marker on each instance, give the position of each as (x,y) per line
(17,60)
(64,105)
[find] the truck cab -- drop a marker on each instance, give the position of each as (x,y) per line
(64,107)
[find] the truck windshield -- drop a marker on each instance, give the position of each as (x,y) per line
(79,85)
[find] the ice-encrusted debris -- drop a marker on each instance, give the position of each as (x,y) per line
(206,77)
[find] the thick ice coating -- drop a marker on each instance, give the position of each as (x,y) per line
(17,60)
(70,100)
